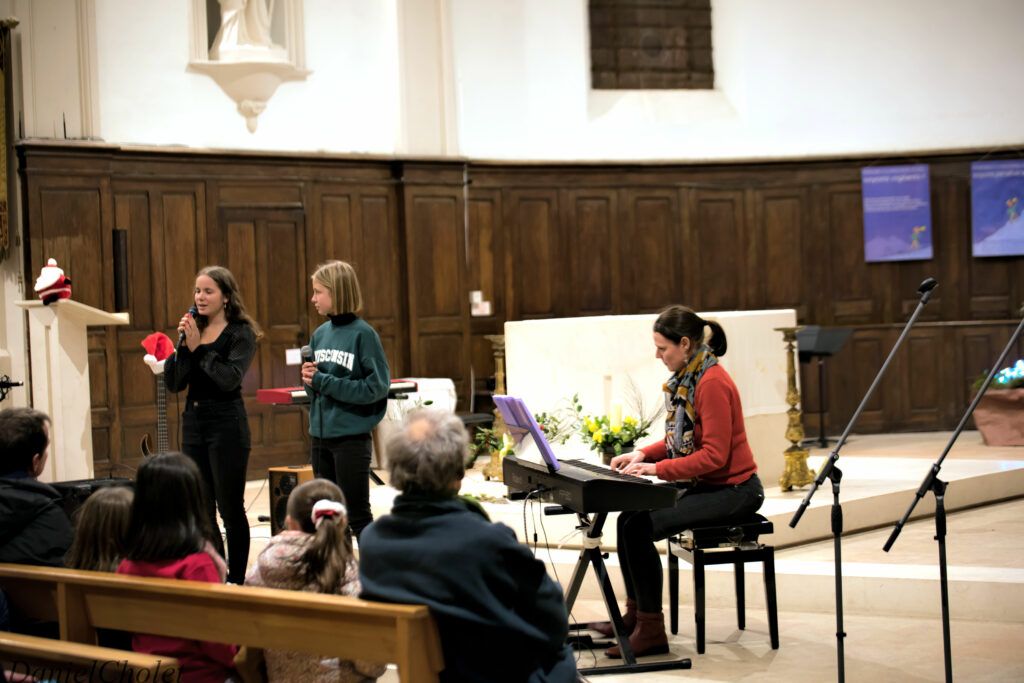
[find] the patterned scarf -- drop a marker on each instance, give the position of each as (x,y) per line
(679,414)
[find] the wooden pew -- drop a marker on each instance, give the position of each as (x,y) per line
(48,659)
(325,625)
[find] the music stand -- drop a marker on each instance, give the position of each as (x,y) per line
(819,342)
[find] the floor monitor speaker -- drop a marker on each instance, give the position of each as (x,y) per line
(282,481)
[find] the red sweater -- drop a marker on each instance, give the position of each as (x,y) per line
(722,454)
(201,662)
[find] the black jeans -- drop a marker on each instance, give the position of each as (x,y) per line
(701,505)
(215,435)
(345,460)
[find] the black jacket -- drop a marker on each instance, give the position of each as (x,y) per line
(33,526)
(500,616)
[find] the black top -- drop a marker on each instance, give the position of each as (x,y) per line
(33,526)
(213,371)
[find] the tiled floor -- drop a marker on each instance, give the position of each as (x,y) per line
(891,605)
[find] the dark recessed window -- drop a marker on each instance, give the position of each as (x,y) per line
(650,45)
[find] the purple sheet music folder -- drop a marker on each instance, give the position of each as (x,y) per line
(524,428)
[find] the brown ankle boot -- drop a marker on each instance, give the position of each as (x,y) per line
(649,637)
(628,619)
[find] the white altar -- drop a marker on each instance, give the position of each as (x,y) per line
(60,381)
(547,361)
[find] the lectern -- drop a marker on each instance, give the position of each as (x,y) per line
(60,380)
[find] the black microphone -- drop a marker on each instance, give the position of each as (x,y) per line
(192,312)
(307,357)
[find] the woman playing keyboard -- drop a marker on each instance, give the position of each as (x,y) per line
(705,440)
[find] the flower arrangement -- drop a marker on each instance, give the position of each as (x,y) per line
(614,434)
(1011,377)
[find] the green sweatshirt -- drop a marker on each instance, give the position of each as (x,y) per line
(350,387)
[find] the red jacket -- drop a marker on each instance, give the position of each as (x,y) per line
(722,454)
(201,662)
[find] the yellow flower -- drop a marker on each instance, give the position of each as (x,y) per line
(598,437)
(616,430)
(592,426)
(632,421)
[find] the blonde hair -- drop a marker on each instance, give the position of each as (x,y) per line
(340,281)
(329,552)
(101,530)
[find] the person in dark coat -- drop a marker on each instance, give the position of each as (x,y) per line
(499,614)
(33,526)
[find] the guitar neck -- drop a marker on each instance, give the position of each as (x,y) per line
(161,415)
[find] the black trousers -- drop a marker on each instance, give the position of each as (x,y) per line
(345,460)
(215,435)
(701,505)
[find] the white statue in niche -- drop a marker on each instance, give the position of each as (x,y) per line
(244,34)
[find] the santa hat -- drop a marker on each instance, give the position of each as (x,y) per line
(52,284)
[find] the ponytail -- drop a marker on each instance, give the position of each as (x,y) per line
(319,509)
(676,323)
(328,555)
(716,341)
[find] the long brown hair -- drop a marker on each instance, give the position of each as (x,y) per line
(234,308)
(330,548)
(101,530)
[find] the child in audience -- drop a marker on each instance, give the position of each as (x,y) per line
(169,537)
(101,530)
(101,540)
(313,554)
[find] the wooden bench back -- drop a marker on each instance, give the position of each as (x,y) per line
(325,625)
(48,659)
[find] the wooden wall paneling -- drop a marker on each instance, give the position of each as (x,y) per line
(265,250)
(594,260)
(849,375)
(652,253)
(716,249)
(438,301)
(486,274)
(853,297)
(778,265)
(536,278)
(922,376)
(380,263)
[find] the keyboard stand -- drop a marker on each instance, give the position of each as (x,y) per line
(591,555)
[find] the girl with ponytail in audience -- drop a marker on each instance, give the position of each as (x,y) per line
(706,442)
(170,537)
(313,554)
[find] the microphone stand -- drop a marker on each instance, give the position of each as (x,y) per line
(830,471)
(938,487)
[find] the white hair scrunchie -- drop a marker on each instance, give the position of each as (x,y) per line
(326,508)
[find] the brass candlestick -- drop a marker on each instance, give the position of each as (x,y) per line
(493,469)
(796,472)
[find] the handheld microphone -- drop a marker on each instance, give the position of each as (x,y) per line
(307,354)
(194,311)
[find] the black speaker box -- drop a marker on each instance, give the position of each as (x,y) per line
(283,481)
(74,493)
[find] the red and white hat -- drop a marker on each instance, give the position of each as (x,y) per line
(52,284)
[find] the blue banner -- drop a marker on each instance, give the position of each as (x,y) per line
(897,213)
(997,196)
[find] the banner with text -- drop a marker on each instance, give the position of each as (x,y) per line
(997,193)
(897,213)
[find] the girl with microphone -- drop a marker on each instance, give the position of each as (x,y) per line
(348,381)
(217,347)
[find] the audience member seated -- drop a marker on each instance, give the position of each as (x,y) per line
(101,541)
(33,527)
(313,554)
(500,617)
(170,537)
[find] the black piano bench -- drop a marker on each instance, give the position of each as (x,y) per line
(733,543)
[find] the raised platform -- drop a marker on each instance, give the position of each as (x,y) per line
(889,597)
